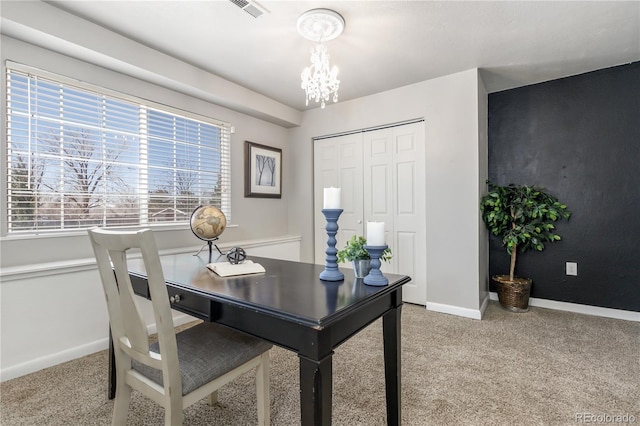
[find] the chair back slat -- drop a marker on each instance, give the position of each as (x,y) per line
(135,328)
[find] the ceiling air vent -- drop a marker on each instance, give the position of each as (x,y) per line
(251,7)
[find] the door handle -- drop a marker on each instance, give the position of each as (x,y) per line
(359,222)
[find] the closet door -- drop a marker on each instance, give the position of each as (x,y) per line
(378,186)
(382,176)
(409,219)
(338,163)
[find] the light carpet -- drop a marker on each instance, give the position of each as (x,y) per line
(543,367)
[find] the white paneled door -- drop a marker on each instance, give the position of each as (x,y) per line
(409,200)
(382,176)
(338,164)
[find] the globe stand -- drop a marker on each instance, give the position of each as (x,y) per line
(211,245)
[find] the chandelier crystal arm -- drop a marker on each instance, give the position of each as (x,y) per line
(320,80)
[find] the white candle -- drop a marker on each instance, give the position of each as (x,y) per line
(331,198)
(375,233)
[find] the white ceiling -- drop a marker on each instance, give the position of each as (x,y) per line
(386,44)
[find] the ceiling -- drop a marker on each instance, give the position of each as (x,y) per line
(385,45)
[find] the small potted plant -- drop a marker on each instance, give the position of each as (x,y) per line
(522,217)
(355,252)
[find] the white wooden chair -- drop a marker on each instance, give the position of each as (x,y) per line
(180,369)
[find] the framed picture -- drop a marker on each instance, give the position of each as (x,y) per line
(262,171)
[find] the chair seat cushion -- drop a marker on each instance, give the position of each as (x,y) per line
(206,352)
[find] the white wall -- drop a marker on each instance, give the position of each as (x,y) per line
(455,163)
(49,319)
(483,175)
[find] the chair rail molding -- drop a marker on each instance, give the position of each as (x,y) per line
(23,272)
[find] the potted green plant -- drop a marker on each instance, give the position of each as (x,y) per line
(355,252)
(523,218)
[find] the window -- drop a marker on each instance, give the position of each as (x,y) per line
(80,156)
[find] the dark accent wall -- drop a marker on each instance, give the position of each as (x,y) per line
(579,137)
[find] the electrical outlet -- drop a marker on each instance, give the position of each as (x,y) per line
(572,268)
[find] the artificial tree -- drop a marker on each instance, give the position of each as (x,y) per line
(523,217)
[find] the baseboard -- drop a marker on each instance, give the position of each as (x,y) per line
(73,353)
(484,304)
(456,310)
(47,361)
(581,309)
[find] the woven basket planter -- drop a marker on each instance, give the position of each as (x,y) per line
(513,295)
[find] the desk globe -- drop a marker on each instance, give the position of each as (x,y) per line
(207,223)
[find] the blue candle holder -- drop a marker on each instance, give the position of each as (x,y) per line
(331,272)
(375,277)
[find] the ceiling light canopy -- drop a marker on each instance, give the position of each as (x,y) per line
(319,80)
(320,25)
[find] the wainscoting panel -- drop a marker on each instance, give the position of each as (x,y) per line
(53,313)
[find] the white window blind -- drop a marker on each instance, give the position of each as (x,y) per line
(80,156)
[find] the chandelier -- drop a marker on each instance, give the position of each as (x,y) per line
(320,80)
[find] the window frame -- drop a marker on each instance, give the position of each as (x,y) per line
(224,168)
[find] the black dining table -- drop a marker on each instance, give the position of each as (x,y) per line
(291,307)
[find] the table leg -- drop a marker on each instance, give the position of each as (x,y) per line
(392,370)
(316,390)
